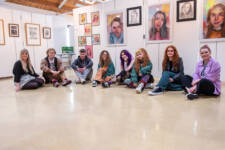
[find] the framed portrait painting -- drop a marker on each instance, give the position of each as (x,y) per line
(82,41)
(87,29)
(89,50)
(46,33)
(82,18)
(134,16)
(213,20)
(116,28)
(186,10)
(33,35)
(96,39)
(95,19)
(13,30)
(159,23)
(2,32)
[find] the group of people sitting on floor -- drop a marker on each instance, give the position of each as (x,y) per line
(135,72)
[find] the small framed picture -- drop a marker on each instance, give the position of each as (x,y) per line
(96,39)
(46,33)
(186,10)
(33,35)
(95,19)
(87,29)
(134,16)
(13,30)
(89,49)
(2,32)
(82,41)
(82,18)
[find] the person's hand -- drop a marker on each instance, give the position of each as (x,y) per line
(195,82)
(17,87)
(55,73)
(193,89)
(140,74)
(135,85)
(79,69)
(171,80)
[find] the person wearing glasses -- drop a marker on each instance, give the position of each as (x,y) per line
(116,34)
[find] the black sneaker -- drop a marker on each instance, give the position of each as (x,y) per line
(105,84)
(156,91)
(192,96)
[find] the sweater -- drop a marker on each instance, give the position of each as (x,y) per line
(110,70)
(81,63)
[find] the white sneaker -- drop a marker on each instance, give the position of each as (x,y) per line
(149,86)
(140,87)
(82,81)
(77,81)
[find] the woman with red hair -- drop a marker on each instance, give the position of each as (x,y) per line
(173,70)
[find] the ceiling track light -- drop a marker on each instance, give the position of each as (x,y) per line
(93,1)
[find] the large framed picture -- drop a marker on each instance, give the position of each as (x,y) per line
(87,29)
(159,25)
(134,16)
(2,32)
(46,33)
(13,30)
(95,19)
(82,18)
(116,33)
(186,10)
(213,21)
(33,35)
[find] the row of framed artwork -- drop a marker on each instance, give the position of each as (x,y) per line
(89,40)
(32,33)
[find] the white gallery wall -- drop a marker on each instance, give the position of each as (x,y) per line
(185,36)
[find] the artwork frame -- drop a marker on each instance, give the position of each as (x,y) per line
(2,32)
(95,18)
(33,34)
(46,33)
(96,39)
(82,41)
(82,18)
(89,51)
(164,35)
(14,30)
(207,24)
(88,29)
(119,16)
(134,16)
(186,10)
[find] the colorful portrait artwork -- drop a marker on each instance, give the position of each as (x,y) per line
(87,29)
(96,39)
(214,19)
(159,17)
(82,41)
(89,50)
(95,19)
(115,28)
(82,18)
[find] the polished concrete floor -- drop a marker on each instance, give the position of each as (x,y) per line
(79,117)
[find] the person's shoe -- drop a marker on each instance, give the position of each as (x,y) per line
(192,96)
(149,86)
(156,91)
(56,84)
(105,84)
(94,83)
(66,82)
(82,81)
(127,81)
(77,81)
(140,88)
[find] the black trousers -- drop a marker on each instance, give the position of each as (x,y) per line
(33,84)
(204,86)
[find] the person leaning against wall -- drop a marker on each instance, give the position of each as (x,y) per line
(24,75)
(173,70)
(83,67)
(206,79)
(53,70)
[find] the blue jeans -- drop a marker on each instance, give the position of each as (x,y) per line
(86,74)
(165,83)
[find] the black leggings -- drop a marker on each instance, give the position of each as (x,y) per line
(33,84)
(204,86)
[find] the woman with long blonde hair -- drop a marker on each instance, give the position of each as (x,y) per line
(106,70)
(173,70)
(24,74)
(141,71)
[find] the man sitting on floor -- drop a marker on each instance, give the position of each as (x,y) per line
(83,67)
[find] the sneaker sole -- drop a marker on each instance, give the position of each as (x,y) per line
(153,94)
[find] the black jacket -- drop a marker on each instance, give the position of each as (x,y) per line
(18,71)
(79,63)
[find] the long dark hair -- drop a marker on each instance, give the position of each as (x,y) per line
(163,30)
(128,54)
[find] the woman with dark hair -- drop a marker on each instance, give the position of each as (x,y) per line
(159,30)
(173,71)
(106,70)
(215,22)
(126,63)
(24,74)
(141,71)
(206,79)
